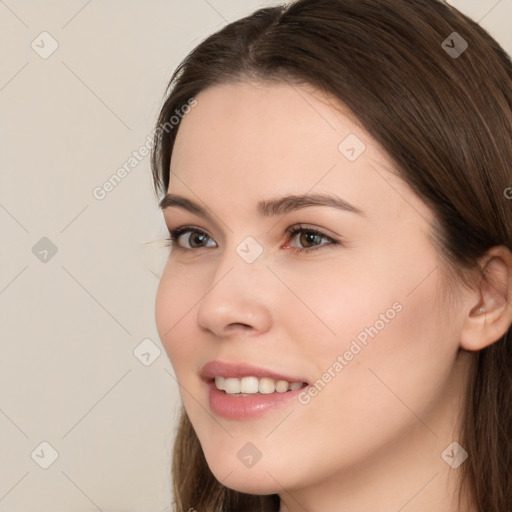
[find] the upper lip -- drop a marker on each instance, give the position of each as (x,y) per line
(214,369)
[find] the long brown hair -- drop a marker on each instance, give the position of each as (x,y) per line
(444,116)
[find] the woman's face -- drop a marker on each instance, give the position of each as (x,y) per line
(343,296)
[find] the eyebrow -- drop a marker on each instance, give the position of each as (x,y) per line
(268,208)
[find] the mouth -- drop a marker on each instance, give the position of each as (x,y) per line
(240,391)
(252,385)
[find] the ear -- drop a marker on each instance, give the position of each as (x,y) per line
(489,314)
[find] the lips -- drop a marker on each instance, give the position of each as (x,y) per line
(246,406)
(239,370)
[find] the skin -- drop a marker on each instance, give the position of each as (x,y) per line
(380,424)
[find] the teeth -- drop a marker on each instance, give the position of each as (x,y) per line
(249,385)
(232,386)
(252,385)
(219,383)
(267,386)
(282,386)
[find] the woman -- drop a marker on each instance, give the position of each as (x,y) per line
(337,299)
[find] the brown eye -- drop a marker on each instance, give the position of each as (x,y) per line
(188,238)
(309,239)
(197,239)
(302,238)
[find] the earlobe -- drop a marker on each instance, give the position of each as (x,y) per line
(490,315)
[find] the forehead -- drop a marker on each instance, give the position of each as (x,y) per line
(262,116)
(247,125)
(246,142)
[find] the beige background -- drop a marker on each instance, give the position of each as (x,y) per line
(72,323)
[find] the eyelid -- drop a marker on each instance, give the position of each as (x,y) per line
(291,232)
(295,228)
(175,233)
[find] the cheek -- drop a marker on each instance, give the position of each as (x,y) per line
(176,296)
(391,348)
(335,303)
(376,339)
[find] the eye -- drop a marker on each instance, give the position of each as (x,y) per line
(304,239)
(300,239)
(188,237)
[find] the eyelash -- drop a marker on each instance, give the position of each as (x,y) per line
(292,231)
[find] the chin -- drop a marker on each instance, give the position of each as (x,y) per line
(232,473)
(250,482)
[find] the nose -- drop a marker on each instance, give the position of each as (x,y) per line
(236,302)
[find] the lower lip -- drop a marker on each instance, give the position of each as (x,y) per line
(247,407)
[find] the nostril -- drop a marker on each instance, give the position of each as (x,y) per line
(238,324)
